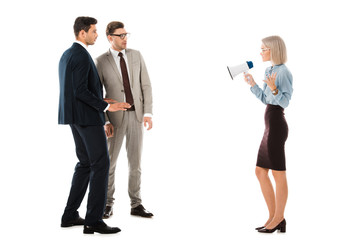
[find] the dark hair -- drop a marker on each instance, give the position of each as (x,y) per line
(83,23)
(111,27)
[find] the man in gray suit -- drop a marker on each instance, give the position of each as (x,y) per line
(125,78)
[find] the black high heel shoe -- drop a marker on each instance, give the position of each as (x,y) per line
(258,228)
(281,226)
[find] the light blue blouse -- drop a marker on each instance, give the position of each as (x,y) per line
(283,83)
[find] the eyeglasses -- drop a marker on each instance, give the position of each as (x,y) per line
(122,36)
(264,49)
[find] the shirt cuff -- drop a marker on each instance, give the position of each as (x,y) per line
(107,108)
(255,89)
(148,115)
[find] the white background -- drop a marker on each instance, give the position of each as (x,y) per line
(199,159)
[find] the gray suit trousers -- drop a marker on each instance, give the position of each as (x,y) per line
(132,130)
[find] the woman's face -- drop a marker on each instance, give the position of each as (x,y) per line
(265,53)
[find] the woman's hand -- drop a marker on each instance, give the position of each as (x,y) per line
(249,79)
(270,81)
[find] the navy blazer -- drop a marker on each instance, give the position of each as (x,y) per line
(81,96)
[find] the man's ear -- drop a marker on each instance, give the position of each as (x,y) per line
(109,37)
(82,34)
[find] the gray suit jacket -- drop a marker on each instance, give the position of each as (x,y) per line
(113,83)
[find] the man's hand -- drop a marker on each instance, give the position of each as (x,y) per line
(109,100)
(148,120)
(117,106)
(109,130)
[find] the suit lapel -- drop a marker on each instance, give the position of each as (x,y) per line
(111,60)
(130,67)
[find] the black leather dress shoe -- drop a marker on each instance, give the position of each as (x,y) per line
(101,228)
(141,211)
(108,212)
(77,222)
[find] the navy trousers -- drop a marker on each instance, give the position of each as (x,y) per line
(92,170)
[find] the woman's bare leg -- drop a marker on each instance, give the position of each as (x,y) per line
(267,191)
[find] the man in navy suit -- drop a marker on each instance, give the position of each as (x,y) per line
(82,106)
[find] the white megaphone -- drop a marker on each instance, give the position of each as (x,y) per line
(236,70)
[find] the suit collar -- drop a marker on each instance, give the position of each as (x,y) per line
(81,48)
(81,44)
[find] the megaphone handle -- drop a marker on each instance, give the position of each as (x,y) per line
(248,78)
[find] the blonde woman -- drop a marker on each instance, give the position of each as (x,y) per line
(276,94)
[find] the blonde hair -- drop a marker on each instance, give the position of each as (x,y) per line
(277,49)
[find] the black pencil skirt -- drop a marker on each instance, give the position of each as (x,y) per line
(272,148)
